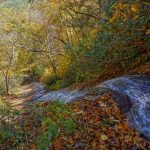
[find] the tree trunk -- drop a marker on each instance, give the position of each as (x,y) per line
(7,85)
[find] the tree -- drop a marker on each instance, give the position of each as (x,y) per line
(7,66)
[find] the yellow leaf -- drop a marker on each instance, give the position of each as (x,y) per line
(111,20)
(70,141)
(134,8)
(104,137)
(93,145)
(148,31)
(135,17)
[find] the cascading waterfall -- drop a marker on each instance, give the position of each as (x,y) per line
(130,92)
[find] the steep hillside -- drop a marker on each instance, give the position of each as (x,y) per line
(74,74)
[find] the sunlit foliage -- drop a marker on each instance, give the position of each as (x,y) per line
(76,40)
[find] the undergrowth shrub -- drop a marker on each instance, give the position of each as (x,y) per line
(53,83)
(47,121)
(10,133)
(36,72)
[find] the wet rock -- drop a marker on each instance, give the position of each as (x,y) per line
(123,102)
(132,94)
(38,91)
(68,95)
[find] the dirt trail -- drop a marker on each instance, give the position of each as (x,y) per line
(23,96)
(27,93)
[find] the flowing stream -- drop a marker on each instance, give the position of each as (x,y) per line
(130,92)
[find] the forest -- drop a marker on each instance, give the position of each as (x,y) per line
(74,74)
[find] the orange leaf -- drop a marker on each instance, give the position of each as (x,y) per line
(134,8)
(93,145)
(32,146)
(57,144)
(70,141)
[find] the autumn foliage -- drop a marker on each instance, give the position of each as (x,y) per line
(65,42)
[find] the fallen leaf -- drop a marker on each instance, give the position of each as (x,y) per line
(70,141)
(93,145)
(104,137)
(32,146)
(134,8)
(148,31)
(57,144)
